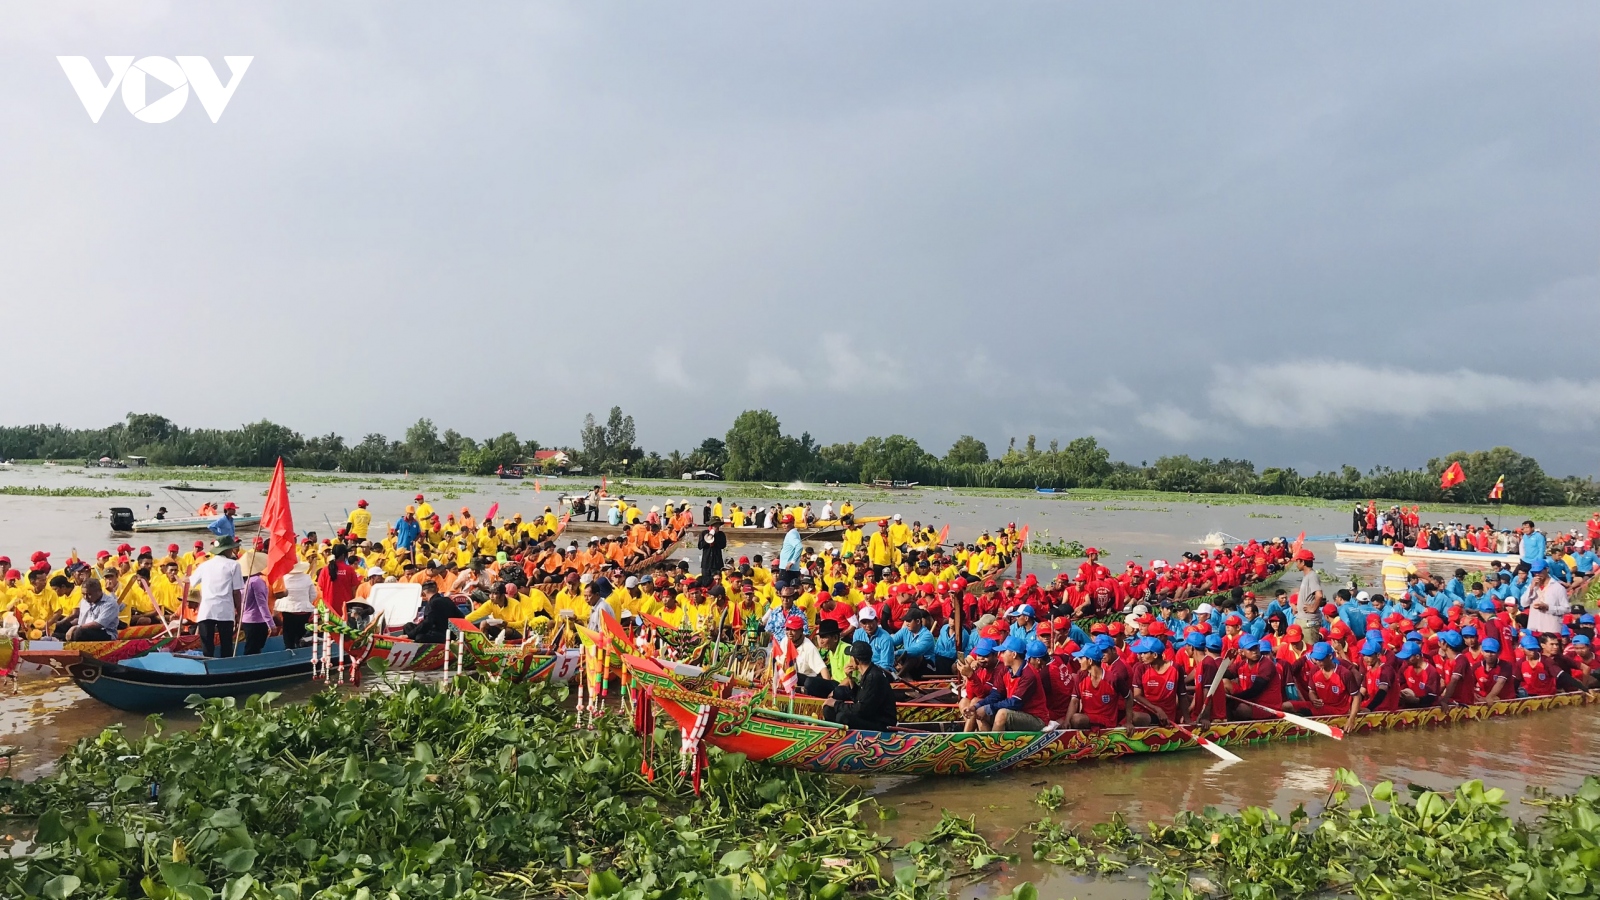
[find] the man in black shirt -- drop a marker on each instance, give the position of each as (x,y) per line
(870,705)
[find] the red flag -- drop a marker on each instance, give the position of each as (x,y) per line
(492,510)
(602,485)
(1452,477)
(1499,489)
(944,533)
(277,522)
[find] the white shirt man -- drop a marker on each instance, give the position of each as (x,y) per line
(221,582)
(1545,600)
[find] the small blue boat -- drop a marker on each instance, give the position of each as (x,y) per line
(160,681)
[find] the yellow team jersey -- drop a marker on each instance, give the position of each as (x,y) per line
(360,520)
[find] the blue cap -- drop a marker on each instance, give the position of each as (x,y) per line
(984,647)
(1025,609)
(1372,647)
(1013,644)
(1529,642)
(1196,640)
(1582,639)
(1490,645)
(1083,653)
(1413,637)
(1321,650)
(1038,650)
(1149,645)
(1565,631)
(1103,641)
(1213,642)
(1452,639)
(1408,651)
(1247,642)
(1538,565)
(1586,619)
(1469,631)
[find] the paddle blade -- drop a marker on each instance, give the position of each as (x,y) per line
(1313,725)
(1221,753)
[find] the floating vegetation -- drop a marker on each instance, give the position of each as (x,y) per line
(1264,516)
(1060,548)
(488,790)
(1394,843)
(12,490)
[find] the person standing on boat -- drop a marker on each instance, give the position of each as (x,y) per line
(221,585)
(223,526)
(255,614)
(789,554)
(1308,605)
(1532,547)
(297,603)
(338,581)
(712,542)
(1545,600)
(360,520)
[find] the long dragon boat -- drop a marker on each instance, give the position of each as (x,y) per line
(803,742)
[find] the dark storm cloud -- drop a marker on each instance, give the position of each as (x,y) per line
(1302,235)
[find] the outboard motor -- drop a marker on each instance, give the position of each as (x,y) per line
(121,518)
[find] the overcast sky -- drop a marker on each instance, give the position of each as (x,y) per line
(1303,234)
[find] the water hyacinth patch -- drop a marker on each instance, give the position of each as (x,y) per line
(487,790)
(1388,843)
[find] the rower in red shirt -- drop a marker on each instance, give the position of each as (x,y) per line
(1156,683)
(1460,684)
(1332,687)
(1200,711)
(1381,685)
(1098,703)
(1421,679)
(1536,675)
(1495,678)
(1259,681)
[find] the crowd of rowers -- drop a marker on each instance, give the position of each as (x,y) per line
(1029,670)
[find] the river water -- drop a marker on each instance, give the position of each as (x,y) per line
(1554,750)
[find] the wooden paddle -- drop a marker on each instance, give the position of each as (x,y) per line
(1216,685)
(1206,745)
(1301,721)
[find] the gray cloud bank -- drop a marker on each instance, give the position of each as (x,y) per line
(1308,236)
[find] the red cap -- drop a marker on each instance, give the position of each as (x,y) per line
(1330,610)
(744,560)
(13,574)
(795,623)
(172,548)
(1233,620)
(1373,621)
(1293,633)
(361,503)
(1158,628)
(824,597)
(1061,623)
(1304,554)
(1044,629)
(1097,628)
(124,548)
(1090,551)
(1114,629)
(143,550)
(1146,619)
(199,545)
(103,554)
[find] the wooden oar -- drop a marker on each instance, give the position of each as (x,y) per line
(1216,685)
(1206,745)
(1303,722)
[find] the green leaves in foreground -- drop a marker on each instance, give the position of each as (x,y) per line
(490,790)
(1414,843)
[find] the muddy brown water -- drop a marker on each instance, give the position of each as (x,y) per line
(1555,749)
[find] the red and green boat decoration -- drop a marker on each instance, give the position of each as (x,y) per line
(738,725)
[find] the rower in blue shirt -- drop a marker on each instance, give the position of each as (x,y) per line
(1457,585)
(882,642)
(1558,569)
(1354,613)
(1533,546)
(916,645)
(223,525)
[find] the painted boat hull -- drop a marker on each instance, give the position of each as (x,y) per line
(827,748)
(48,656)
(191,523)
(1455,557)
(161,681)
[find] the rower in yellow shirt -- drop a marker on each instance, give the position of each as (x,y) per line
(360,520)
(424,511)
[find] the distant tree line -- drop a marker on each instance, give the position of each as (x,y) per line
(756,449)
